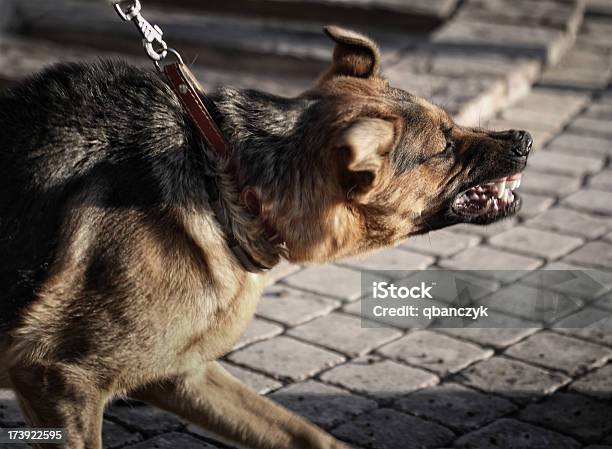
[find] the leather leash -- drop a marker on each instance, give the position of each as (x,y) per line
(190,93)
(188,90)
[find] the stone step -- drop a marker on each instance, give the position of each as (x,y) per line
(406,15)
(249,44)
(485,57)
(21,56)
(544,29)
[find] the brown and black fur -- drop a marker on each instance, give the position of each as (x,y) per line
(116,278)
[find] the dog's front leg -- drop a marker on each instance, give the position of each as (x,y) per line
(62,397)
(214,399)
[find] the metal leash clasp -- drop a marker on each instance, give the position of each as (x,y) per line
(152,35)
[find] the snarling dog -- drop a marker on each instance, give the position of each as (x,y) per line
(117,278)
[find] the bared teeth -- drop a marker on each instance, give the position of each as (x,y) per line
(501,188)
(513,184)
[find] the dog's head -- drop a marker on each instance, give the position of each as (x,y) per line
(392,164)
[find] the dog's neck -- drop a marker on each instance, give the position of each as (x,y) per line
(264,133)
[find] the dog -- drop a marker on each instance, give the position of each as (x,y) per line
(117,277)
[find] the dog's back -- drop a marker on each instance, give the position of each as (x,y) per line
(71,128)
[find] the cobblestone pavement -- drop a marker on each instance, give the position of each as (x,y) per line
(514,388)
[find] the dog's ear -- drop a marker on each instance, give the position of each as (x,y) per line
(354,55)
(362,149)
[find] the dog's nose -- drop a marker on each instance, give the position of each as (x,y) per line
(522,142)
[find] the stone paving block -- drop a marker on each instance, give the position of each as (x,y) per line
(589,57)
(547,14)
(388,260)
(435,352)
(512,434)
(469,98)
(602,180)
(591,200)
(381,379)
(402,75)
(10,414)
(534,205)
(517,122)
(284,357)
(504,331)
(591,127)
(512,379)
(565,164)
(280,271)
(114,436)
(561,353)
(344,333)
(532,303)
(534,242)
(173,440)
(595,254)
(541,138)
(591,324)
(549,100)
(469,64)
(583,418)
(257,330)
(606,97)
(539,42)
(485,231)
(388,429)
(595,34)
(583,283)
(576,144)
(485,258)
(597,384)
(454,406)
(328,280)
(549,121)
(143,418)
(604,302)
(440,243)
(574,77)
(600,111)
(292,307)
(353,308)
(446,286)
(549,184)
(258,382)
(324,405)
(570,221)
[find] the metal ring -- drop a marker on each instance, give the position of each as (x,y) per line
(173,52)
(156,55)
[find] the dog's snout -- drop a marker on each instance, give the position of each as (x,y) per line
(522,142)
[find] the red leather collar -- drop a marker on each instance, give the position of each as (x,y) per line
(190,93)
